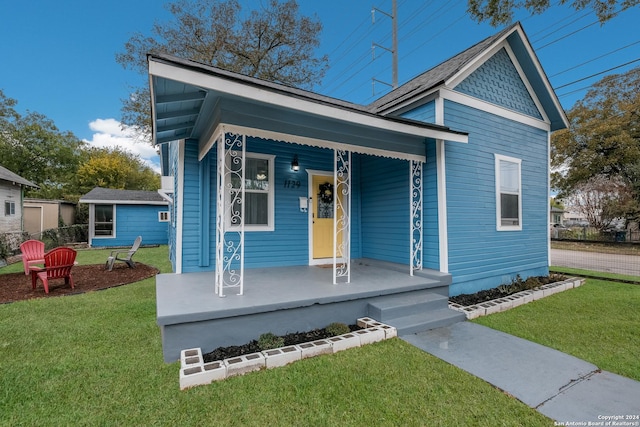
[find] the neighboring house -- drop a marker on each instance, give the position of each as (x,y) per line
(12,196)
(447,175)
(117,217)
(574,218)
(40,214)
(556,215)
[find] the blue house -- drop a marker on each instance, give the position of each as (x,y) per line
(300,206)
(117,217)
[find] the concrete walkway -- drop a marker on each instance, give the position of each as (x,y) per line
(562,387)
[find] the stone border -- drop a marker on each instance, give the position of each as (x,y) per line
(194,372)
(514,300)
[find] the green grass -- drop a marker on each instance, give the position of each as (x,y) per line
(96,359)
(595,274)
(597,322)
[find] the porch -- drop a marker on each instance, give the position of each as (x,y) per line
(289,299)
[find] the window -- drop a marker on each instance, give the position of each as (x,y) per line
(9,208)
(103,220)
(163,216)
(259,193)
(508,193)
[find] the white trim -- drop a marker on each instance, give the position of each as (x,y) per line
(243,90)
(443,235)
(499,226)
(310,198)
(303,140)
(549,194)
(441,177)
(525,80)
(166,214)
(92,219)
(499,44)
(180,206)
(270,197)
(488,107)
(124,202)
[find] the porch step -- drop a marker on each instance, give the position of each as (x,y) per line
(401,305)
(415,312)
(421,322)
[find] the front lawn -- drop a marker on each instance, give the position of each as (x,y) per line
(96,359)
(597,322)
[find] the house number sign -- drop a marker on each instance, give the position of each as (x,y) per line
(289,183)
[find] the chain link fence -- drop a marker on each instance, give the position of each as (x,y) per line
(611,252)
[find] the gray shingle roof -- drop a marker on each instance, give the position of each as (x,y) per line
(436,75)
(111,195)
(7,175)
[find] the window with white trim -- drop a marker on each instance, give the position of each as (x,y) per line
(9,208)
(508,193)
(259,193)
(103,220)
(163,216)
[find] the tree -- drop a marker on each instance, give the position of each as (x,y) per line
(500,12)
(33,147)
(603,140)
(274,43)
(597,199)
(114,168)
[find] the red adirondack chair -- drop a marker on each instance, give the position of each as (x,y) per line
(32,253)
(57,265)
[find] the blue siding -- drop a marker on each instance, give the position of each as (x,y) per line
(173,171)
(191,209)
(288,244)
(479,256)
(385,209)
(133,221)
(431,249)
(424,113)
(498,81)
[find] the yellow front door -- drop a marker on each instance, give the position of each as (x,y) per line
(322,200)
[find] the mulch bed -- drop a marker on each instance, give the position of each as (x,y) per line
(86,278)
(222,353)
(504,290)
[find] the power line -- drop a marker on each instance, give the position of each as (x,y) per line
(597,74)
(567,35)
(595,59)
(558,29)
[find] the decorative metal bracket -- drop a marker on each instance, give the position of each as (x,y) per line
(231,151)
(416,215)
(342,217)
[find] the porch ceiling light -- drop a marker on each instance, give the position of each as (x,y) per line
(294,164)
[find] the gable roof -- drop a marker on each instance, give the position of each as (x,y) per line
(434,77)
(448,74)
(7,175)
(123,197)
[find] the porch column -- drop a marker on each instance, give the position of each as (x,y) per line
(342,217)
(415,216)
(229,272)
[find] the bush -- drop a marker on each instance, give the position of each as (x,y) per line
(268,341)
(337,329)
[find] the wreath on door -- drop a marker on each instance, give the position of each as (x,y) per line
(326,192)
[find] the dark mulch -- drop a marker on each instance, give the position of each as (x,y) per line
(221,353)
(517,285)
(86,278)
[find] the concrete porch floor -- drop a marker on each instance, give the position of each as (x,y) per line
(277,300)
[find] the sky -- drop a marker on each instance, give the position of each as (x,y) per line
(57,58)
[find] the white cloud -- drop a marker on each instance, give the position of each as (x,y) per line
(109,133)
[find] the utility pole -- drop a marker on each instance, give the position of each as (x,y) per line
(394,48)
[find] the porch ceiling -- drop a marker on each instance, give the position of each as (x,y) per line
(191,100)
